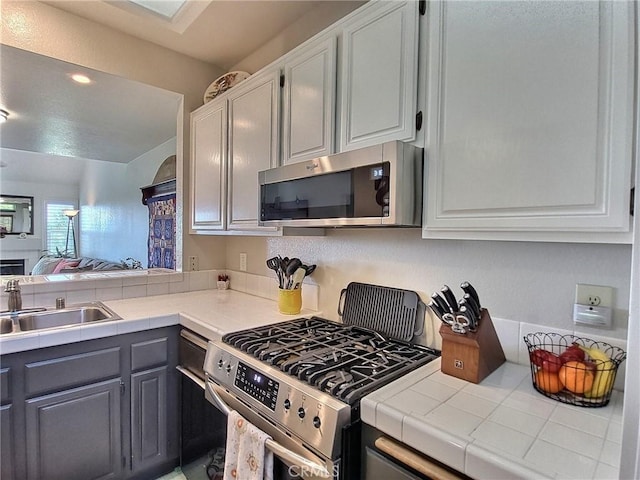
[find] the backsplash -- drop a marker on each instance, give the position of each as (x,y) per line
(42,291)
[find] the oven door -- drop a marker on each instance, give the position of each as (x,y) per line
(204,425)
(299,461)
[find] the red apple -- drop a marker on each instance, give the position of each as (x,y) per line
(546,360)
(572,353)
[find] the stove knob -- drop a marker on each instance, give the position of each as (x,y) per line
(220,363)
(228,369)
(301,412)
(287,404)
(316,422)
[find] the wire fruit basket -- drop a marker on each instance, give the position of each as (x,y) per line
(573,370)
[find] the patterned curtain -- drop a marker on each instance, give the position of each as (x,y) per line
(162,231)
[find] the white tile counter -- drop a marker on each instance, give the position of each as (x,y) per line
(501,428)
(210,313)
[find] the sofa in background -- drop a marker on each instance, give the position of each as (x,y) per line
(51,265)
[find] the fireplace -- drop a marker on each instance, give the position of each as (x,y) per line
(12,267)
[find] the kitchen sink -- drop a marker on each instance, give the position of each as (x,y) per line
(72,315)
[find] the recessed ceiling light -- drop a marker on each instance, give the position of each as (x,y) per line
(3,115)
(80,78)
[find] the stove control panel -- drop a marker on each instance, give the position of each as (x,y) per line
(258,385)
(300,409)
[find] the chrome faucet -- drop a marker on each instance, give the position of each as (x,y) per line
(15,298)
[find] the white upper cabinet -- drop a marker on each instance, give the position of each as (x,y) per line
(253,144)
(309,103)
(530,120)
(208,161)
(379,70)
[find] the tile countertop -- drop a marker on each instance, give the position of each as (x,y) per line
(210,313)
(501,428)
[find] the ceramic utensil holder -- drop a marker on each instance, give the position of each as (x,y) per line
(474,355)
(290,301)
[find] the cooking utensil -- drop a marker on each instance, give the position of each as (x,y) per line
(466,312)
(457,322)
(436,309)
(309,269)
(450,298)
(441,302)
(468,288)
(292,266)
(472,304)
(297,278)
(274,264)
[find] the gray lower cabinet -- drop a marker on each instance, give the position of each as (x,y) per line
(75,434)
(148,419)
(6,442)
(97,409)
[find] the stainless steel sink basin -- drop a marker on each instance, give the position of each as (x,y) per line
(72,315)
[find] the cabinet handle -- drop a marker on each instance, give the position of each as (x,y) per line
(406,457)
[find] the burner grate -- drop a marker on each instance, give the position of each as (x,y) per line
(345,361)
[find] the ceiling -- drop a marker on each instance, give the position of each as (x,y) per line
(100,125)
(218,32)
(111,119)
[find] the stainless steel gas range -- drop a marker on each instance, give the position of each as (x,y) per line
(301,381)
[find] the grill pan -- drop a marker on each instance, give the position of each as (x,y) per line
(395,313)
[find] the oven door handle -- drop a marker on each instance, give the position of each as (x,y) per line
(191,376)
(278,450)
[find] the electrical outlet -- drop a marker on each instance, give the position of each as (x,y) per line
(243,262)
(593,306)
(594,295)
(193,263)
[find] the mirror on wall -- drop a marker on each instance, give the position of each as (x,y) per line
(16,214)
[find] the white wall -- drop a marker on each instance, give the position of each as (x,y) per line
(520,281)
(114,223)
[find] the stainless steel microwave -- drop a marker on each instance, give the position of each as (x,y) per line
(373,186)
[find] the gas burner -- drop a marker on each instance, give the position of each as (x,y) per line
(347,362)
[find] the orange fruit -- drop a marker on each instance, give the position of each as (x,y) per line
(548,381)
(576,376)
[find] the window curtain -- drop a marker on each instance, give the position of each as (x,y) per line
(162,231)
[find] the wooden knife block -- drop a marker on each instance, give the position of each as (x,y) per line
(474,355)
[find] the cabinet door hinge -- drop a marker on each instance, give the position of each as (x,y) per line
(418,121)
(281,81)
(121,387)
(422,7)
(632,200)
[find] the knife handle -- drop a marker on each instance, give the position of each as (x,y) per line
(436,309)
(441,302)
(468,288)
(450,297)
(468,314)
(475,308)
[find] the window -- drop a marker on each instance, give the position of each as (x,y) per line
(59,230)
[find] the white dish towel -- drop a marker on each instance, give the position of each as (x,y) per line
(246,456)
